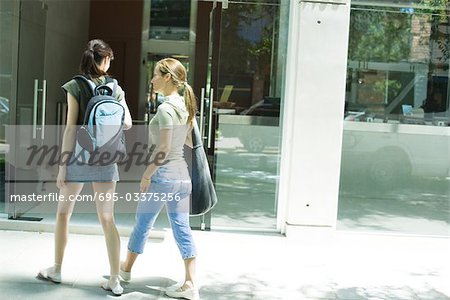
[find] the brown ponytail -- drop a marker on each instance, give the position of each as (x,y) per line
(96,51)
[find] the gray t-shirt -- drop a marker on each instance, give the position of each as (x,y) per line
(171,114)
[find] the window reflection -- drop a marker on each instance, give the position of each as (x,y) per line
(7,20)
(169,19)
(395,174)
(398,65)
(248,72)
(253,45)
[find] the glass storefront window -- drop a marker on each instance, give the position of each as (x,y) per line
(395,171)
(248,66)
(170,19)
(250,77)
(6,52)
(398,66)
(236,55)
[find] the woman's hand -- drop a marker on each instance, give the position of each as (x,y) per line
(145,184)
(61,179)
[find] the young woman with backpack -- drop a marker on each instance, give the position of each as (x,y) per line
(166,181)
(72,174)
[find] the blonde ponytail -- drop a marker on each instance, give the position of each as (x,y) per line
(191,102)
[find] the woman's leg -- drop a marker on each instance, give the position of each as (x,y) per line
(181,229)
(127,265)
(64,212)
(146,214)
(105,211)
(178,212)
(189,268)
(183,236)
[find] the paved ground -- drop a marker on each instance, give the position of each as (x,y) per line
(310,264)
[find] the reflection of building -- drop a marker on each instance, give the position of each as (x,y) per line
(270,76)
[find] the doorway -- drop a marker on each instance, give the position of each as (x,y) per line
(235,60)
(27,114)
(36,59)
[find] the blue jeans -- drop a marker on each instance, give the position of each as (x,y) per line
(170,186)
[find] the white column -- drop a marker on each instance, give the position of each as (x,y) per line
(313,113)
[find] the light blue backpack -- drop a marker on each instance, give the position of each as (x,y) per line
(100,139)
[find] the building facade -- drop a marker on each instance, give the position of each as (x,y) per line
(314,113)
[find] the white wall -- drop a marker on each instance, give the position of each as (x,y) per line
(313,113)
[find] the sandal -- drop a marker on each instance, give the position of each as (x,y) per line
(49,275)
(175,291)
(117,289)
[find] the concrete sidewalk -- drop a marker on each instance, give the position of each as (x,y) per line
(310,264)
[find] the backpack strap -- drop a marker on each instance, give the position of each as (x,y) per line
(115,84)
(85,94)
(87,81)
(109,87)
(94,88)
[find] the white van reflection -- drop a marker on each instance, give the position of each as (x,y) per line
(257,138)
(390,154)
(385,153)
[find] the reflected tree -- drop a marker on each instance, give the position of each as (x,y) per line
(386,34)
(247,36)
(379,35)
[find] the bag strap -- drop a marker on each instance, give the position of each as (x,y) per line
(93,88)
(196,136)
(115,84)
(87,81)
(107,83)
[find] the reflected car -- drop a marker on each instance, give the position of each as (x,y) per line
(382,151)
(265,132)
(390,156)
